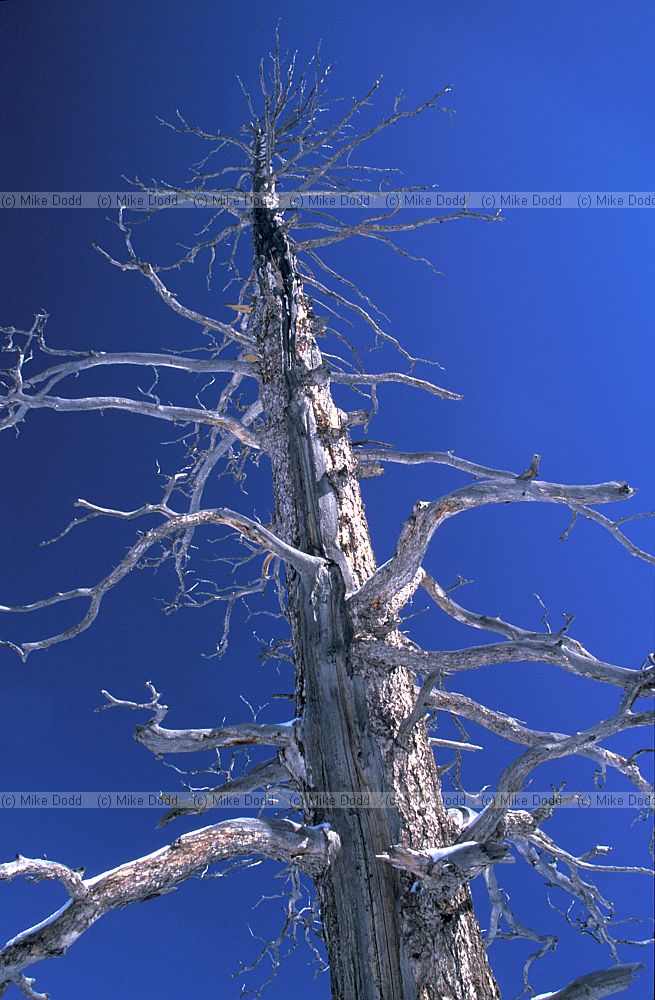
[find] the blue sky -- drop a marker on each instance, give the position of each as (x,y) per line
(542,322)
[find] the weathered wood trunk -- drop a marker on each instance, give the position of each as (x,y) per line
(384,942)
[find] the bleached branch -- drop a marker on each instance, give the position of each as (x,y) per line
(557,648)
(514,775)
(162,871)
(538,648)
(512,729)
(521,828)
(614,530)
(402,569)
(37,869)
(175,525)
(389,454)
(546,843)
(176,414)
(561,651)
(220,137)
(220,444)
(23,394)
(595,985)
(346,148)
(380,334)
(269,775)
(522,646)
(160,740)
(206,322)
(379,378)
(327,137)
(177,361)
(501,910)
(435,741)
(372,228)
(599,911)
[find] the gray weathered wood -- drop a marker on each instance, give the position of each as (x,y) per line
(384,943)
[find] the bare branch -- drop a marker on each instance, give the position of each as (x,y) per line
(444,869)
(219,137)
(512,729)
(25,985)
(512,778)
(538,648)
(380,334)
(175,525)
(378,378)
(389,454)
(542,840)
(219,445)
(372,228)
(614,530)
(595,985)
(402,569)
(598,921)
(270,775)
(37,869)
(435,741)
(176,414)
(160,741)
(500,909)
(443,600)
(153,705)
(161,872)
(567,653)
(206,322)
(327,137)
(178,361)
(345,149)
(557,648)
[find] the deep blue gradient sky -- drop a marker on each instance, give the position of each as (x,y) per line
(543,322)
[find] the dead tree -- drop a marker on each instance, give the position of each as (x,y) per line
(392,882)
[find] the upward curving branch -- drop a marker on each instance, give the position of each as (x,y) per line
(402,573)
(511,729)
(153,875)
(515,774)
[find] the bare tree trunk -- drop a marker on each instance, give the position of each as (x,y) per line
(384,942)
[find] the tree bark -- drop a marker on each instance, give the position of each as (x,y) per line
(384,941)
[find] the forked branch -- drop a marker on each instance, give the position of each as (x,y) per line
(175,525)
(514,775)
(512,729)
(402,570)
(159,740)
